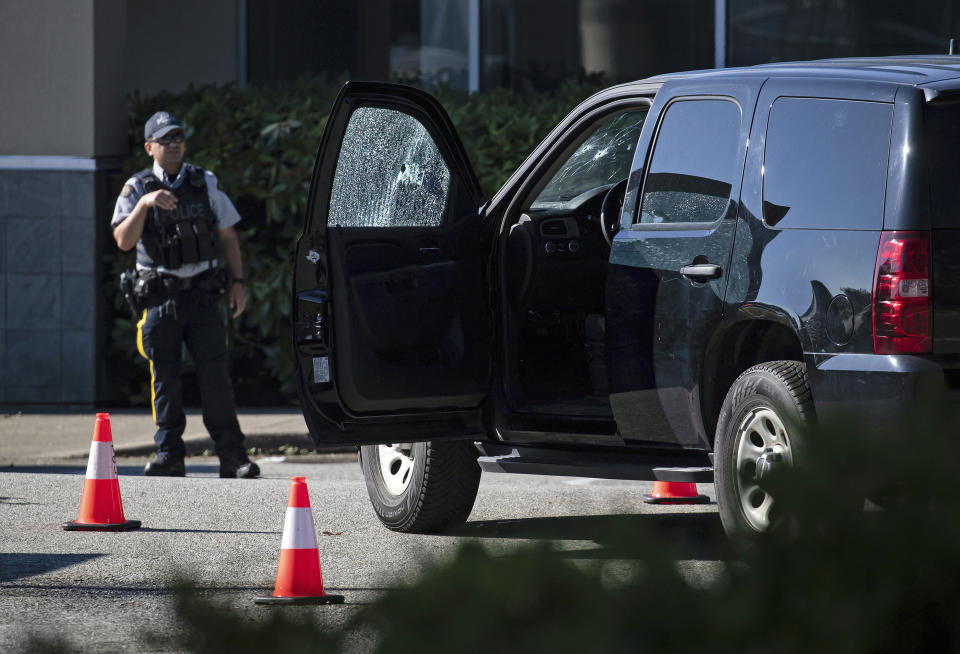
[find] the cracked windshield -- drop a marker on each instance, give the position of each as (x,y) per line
(389,173)
(602,160)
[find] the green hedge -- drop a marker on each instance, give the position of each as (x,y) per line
(261,143)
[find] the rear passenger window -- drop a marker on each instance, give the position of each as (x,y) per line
(942,144)
(825,163)
(694,163)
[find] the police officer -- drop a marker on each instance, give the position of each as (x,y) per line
(178,218)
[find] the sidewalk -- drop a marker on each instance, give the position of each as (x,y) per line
(36,438)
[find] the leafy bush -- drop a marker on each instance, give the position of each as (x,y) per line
(261,143)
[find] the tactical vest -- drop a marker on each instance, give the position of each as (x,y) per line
(187,234)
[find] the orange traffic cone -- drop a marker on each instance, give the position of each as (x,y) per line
(298,575)
(675,492)
(100,505)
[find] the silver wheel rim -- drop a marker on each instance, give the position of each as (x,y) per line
(762,442)
(396,466)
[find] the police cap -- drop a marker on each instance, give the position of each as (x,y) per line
(160,124)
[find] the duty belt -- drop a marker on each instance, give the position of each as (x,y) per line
(147,288)
(205,280)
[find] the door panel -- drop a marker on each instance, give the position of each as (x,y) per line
(669,262)
(403,310)
(390,331)
(412,340)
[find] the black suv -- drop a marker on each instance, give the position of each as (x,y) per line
(687,270)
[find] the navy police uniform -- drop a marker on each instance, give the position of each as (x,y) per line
(178,252)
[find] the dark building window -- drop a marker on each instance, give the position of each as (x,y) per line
(521,43)
(825,163)
(760,31)
(289,39)
(524,45)
(694,163)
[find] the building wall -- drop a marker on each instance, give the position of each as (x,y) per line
(62,124)
(48,294)
(66,68)
(109,78)
(46,73)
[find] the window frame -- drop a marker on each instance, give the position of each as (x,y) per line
(635,224)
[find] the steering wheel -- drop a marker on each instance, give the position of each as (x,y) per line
(610,211)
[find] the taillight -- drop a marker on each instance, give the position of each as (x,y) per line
(902,294)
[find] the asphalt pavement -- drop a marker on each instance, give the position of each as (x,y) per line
(42,437)
(101,591)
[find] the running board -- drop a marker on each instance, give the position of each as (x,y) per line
(529,461)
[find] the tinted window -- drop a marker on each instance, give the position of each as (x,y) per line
(943,161)
(694,163)
(825,164)
(603,159)
(389,173)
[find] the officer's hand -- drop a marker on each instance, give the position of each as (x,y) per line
(238,298)
(162,199)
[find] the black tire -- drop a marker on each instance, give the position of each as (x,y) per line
(768,408)
(439,491)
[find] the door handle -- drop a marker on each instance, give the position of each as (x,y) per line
(429,252)
(702,272)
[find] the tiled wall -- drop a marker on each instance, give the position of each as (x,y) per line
(48,293)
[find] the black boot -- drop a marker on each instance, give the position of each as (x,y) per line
(165,468)
(238,466)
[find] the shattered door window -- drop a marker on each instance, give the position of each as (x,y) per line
(389,173)
(601,160)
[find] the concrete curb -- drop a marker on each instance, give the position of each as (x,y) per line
(41,437)
(197,446)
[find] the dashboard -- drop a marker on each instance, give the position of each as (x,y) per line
(557,255)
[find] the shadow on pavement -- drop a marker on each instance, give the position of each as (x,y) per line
(69,469)
(18,566)
(208,531)
(131,590)
(128,470)
(692,536)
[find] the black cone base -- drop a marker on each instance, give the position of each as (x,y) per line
(108,526)
(697,499)
(292,601)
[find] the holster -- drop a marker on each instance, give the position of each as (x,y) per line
(127,282)
(142,289)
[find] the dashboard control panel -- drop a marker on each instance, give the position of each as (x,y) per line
(560,237)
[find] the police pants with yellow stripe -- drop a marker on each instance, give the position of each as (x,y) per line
(160,336)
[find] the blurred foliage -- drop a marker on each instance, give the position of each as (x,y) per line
(211,628)
(261,143)
(829,579)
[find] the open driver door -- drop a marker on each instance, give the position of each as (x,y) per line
(391,329)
